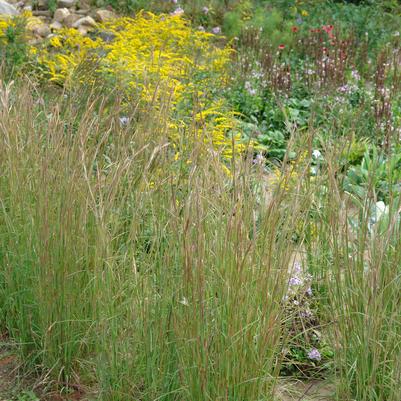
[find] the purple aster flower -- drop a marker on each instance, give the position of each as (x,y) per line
(314,354)
(344,89)
(297,267)
(216,30)
(177,11)
(295,281)
(259,159)
(205,10)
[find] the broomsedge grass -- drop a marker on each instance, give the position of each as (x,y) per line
(122,269)
(145,277)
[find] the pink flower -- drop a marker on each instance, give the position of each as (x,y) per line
(281,47)
(327,28)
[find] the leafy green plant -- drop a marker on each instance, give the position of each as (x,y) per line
(52,5)
(27,396)
(13,46)
(377,176)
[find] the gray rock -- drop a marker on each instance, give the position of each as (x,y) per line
(88,22)
(40,29)
(104,15)
(42,5)
(83,30)
(42,13)
(66,3)
(56,25)
(84,4)
(61,14)
(43,30)
(70,20)
(106,36)
(7,8)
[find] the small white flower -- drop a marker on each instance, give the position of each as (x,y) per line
(355,75)
(184,301)
(381,209)
(124,121)
(316,154)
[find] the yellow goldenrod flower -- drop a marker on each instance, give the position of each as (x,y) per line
(157,57)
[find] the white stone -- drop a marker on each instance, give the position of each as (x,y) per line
(7,8)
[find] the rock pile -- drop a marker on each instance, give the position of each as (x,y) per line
(77,14)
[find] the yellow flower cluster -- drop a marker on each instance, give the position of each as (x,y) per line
(154,57)
(3,27)
(219,123)
(5,22)
(21,26)
(288,178)
(285,180)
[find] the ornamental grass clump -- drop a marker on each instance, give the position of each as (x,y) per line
(357,267)
(129,273)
